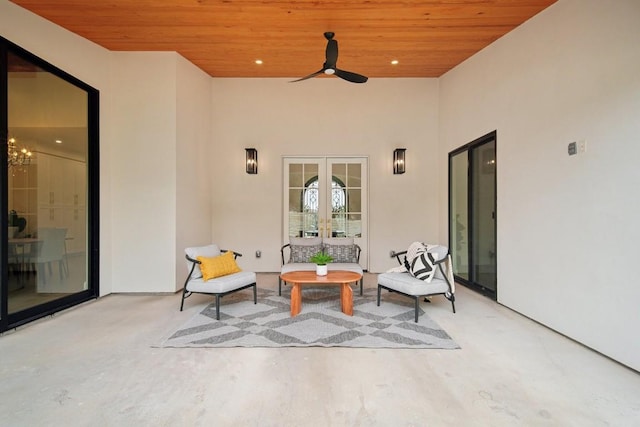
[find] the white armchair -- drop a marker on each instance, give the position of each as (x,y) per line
(404,283)
(200,283)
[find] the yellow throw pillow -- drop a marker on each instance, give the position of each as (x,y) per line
(218,266)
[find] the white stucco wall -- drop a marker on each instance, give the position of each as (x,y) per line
(317,117)
(144,171)
(88,62)
(567,234)
(161,134)
(193,157)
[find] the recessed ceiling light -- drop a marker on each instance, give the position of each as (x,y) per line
(259,61)
(394,62)
(58,141)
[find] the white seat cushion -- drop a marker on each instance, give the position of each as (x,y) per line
(222,284)
(345,266)
(407,284)
(297,266)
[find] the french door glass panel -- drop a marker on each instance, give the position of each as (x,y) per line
(303,204)
(346,199)
(47,186)
(326,197)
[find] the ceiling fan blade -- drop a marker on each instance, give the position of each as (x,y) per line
(351,77)
(331,54)
(309,76)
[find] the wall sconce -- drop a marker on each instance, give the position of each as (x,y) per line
(398,161)
(252,161)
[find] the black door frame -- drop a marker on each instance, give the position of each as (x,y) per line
(470,282)
(13,320)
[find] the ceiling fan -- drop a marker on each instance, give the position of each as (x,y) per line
(329,66)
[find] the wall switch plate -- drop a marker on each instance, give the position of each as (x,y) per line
(258,254)
(582,146)
(572,148)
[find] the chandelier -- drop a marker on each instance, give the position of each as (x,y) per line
(17,157)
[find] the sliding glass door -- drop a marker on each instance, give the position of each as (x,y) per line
(472,214)
(48,128)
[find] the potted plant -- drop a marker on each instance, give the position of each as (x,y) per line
(321,260)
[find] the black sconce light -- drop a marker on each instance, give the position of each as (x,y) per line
(398,161)
(252,160)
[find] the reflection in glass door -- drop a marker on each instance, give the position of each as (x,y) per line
(46,260)
(326,197)
(472,214)
(459,213)
(483,215)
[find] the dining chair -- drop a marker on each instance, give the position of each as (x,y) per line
(49,250)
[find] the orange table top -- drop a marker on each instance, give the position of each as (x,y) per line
(335,276)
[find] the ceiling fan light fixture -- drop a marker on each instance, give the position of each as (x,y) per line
(329,71)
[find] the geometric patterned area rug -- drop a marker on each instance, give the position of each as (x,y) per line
(320,323)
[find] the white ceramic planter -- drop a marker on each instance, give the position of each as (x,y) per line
(321,270)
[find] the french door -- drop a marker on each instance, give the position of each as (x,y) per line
(472,214)
(326,197)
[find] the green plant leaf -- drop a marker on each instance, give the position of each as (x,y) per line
(321,258)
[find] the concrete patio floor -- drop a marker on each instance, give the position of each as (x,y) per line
(95,365)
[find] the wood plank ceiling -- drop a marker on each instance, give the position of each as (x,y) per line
(225,37)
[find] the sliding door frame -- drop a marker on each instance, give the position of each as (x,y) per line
(471,281)
(9,321)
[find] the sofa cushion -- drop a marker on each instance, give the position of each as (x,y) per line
(303,248)
(423,266)
(338,241)
(305,241)
(222,284)
(298,266)
(341,253)
(302,253)
(345,266)
(407,284)
(414,249)
(221,265)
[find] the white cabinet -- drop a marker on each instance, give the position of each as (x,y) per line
(62,187)
(23,193)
